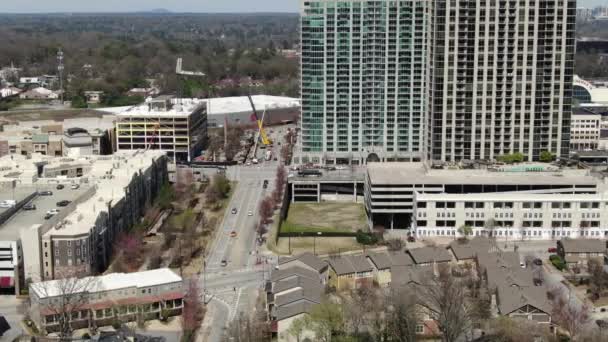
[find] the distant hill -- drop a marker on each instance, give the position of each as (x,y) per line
(159,11)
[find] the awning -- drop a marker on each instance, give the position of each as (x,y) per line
(6,282)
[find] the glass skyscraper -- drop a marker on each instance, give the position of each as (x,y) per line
(364,76)
(442,80)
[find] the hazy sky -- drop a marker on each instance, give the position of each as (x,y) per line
(33,6)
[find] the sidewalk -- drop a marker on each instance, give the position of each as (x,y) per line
(205,329)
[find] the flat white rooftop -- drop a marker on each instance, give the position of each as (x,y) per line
(215,106)
(108,282)
(239,104)
(110,175)
(179,107)
(396,173)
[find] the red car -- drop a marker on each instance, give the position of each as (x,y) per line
(552,250)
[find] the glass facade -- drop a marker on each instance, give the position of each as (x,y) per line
(364,76)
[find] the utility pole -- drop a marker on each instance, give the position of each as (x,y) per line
(60,68)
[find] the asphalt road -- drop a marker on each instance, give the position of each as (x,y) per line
(231,289)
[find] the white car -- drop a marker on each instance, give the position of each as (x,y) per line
(250,213)
(74,186)
(7,203)
(53,211)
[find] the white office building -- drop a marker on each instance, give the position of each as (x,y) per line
(393,192)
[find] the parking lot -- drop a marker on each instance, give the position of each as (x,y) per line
(26,218)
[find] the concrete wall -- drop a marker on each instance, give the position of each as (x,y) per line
(30,243)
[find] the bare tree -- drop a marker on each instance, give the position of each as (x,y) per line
(568,313)
(598,278)
(266,209)
(402,316)
(506,329)
(193,311)
(445,297)
(64,298)
(252,328)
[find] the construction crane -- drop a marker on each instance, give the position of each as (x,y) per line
(260,122)
(155,133)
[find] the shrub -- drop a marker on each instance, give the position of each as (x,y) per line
(394,244)
(366,238)
(558,262)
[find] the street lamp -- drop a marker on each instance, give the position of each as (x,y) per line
(314,245)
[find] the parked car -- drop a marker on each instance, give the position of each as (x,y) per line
(537,262)
(250,213)
(53,211)
(552,250)
(234,211)
(29,206)
(265,185)
(75,186)
(7,203)
(48,216)
(224,263)
(60,186)
(45,193)
(233,233)
(63,203)
(411,239)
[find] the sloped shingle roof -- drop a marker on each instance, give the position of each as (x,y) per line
(425,255)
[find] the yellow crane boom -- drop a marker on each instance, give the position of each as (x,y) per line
(260,122)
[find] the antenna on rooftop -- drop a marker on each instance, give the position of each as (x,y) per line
(60,68)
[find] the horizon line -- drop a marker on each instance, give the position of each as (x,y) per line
(145,12)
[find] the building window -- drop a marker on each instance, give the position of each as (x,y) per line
(419,328)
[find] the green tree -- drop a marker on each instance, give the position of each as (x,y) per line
(516,157)
(165,196)
(546,157)
(297,328)
(325,320)
(185,220)
(465,230)
(222,184)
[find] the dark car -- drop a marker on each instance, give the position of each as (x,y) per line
(224,263)
(45,193)
(537,262)
(48,216)
(63,203)
(234,211)
(29,206)
(265,185)
(60,186)
(411,239)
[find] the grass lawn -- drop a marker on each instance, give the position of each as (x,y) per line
(325,217)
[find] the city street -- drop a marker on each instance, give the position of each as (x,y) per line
(232,288)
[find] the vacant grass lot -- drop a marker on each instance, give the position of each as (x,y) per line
(325,217)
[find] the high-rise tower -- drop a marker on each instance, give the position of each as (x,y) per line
(364,76)
(501,78)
